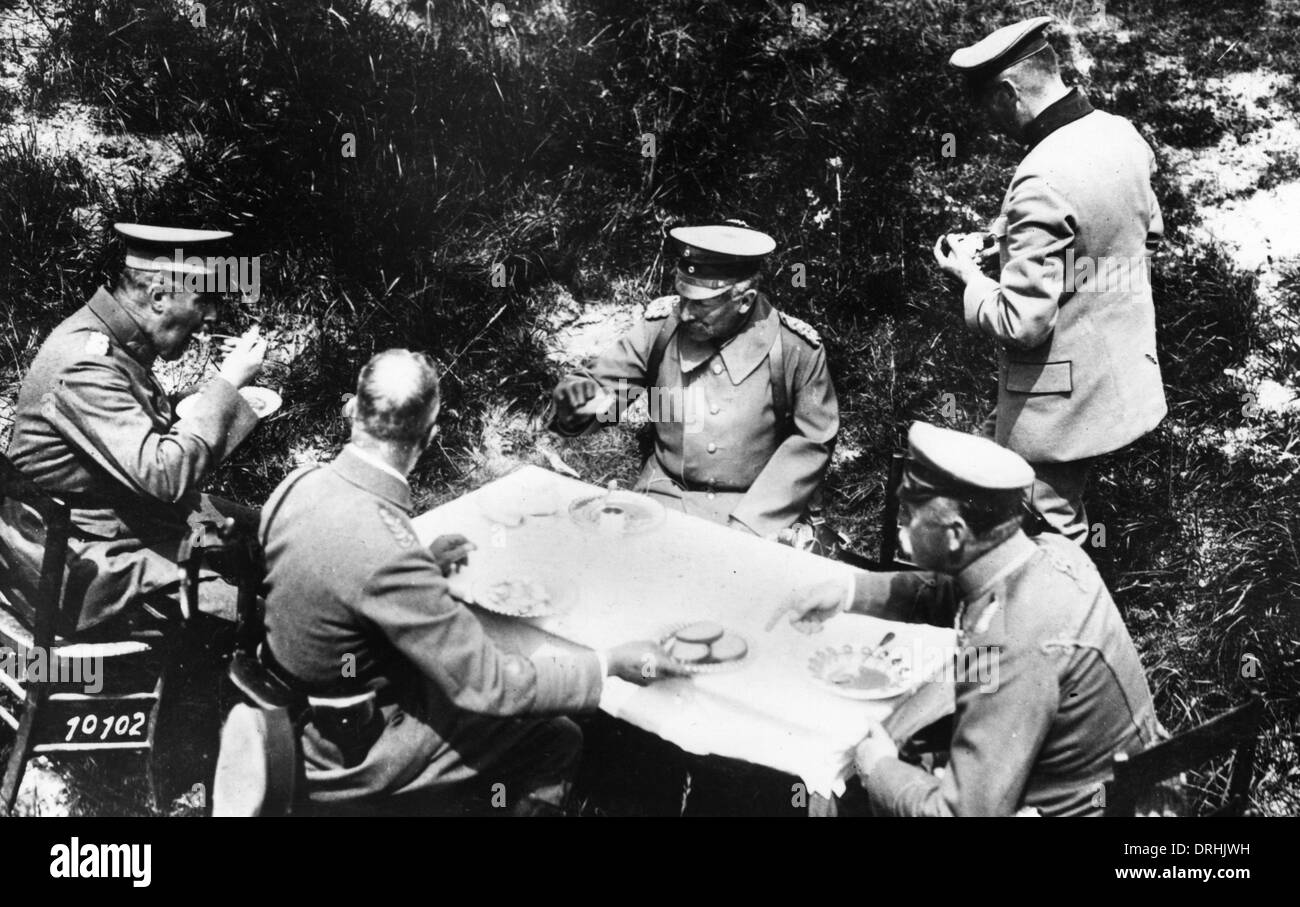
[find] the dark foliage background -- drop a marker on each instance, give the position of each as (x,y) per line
(522,145)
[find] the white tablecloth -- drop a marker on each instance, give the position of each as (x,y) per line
(769,711)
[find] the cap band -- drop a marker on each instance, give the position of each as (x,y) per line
(979,78)
(732,271)
(178,264)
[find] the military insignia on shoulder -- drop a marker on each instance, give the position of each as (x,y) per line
(1063,566)
(661,307)
(96,344)
(802,328)
(404,537)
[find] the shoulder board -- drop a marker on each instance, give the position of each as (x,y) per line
(661,307)
(96,343)
(1059,562)
(395,524)
(802,328)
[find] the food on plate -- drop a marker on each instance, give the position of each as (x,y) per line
(517,597)
(863,678)
(703,644)
(690,652)
(729,648)
(703,631)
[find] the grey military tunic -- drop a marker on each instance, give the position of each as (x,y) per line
(1039,727)
(353,600)
(93,427)
(720,450)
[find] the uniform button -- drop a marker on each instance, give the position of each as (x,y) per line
(717,368)
(713,448)
(712,496)
(714,409)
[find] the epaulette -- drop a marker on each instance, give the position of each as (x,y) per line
(96,344)
(397,526)
(661,307)
(1063,566)
(802,328)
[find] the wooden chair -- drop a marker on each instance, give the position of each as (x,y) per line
(887,558)
(45,669)
(1234,733)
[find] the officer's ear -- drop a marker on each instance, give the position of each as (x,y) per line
(956,531)
(431,432)
(350,407)
(159,289)
(746,299)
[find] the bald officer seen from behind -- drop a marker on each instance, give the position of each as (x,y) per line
(354,603)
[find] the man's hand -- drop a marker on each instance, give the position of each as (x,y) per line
(811,607)
(451,552)
(643,663)
(875,746)
(951,253)
(244,358)
(572,393)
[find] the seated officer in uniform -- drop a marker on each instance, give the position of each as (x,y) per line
(1068,692)
(354,602)
(744,410)
(94,427)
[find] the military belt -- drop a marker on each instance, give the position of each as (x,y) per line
(344,686)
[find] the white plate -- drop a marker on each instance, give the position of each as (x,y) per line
(559,594)
(263,400)
(617,513)
(840,670)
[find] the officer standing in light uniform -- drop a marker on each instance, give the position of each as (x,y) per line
(95,428)
(744,409)
(1078,374)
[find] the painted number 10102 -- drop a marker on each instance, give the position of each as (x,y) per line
(109,727)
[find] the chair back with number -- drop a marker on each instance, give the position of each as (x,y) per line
(1232,734)
(65,696)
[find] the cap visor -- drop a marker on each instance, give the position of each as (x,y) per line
(696,292)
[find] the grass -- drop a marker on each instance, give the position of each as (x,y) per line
(522,147)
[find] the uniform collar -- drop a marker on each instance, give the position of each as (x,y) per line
(977,578)
(745,351)
(362,471)
(124,328)
(1057,114)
